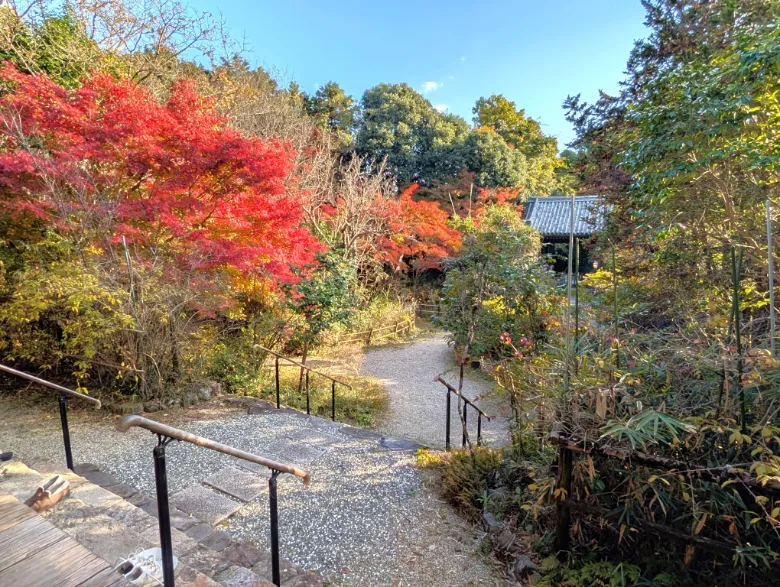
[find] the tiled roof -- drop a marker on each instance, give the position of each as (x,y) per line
(551,216)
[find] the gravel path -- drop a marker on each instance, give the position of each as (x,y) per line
(417,407)
(367,519)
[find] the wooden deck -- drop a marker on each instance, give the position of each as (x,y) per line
(36,553)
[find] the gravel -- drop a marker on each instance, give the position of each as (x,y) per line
(367,519)
(418,405)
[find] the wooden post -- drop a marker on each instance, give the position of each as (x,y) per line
(563,512)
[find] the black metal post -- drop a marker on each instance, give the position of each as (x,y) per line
(275,574)
(308,407)
(479,428)
(65,430)
(277,384)
(333,400)
(447,445)
(163,513)
(465,421)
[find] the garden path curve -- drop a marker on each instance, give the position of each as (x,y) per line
(417,404)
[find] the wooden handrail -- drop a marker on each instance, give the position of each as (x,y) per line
(407,322)
(356,336)
(294,362)
(60,388)
(129,421)
(463,397)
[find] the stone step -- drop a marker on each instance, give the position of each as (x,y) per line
(113,528)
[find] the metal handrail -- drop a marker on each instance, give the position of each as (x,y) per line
(134,420)
(294,362)
(468,402)
(333,381)
(60,388)
(463,397)
(165,434)
(65,393)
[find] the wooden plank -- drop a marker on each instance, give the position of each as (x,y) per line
(47,568)
(26,539)
(34,552)
(12,511)
(107,578)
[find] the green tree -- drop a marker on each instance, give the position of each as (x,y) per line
(399,124)
(323,298)
(495,283)
(493,161)
(57,47)
(525,135)
(334,109)
(685,152)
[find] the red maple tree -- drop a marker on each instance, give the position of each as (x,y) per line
(106,159)
(420,237)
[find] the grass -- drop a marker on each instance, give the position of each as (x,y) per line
(361,406)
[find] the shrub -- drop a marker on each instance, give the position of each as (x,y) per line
(467,476)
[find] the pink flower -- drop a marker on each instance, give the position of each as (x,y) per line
(505,338)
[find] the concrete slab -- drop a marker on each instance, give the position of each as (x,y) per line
(313,438)
(199,532)
(255,468)
(361,433)
(205,504)
(323,423)
(399,444)
(240,484)
(297,453)
(123,490)
(100,478)
(82,468)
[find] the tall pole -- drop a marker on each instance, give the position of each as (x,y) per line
(736,272)
(276,366)
(163,513)
(65,430)
(568,297)
(447,425)
(274,510)
(576,294)
(770,258)
(615,295)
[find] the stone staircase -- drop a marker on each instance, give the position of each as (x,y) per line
(114,520)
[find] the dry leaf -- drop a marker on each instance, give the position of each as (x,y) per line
(690,550)
(701,523)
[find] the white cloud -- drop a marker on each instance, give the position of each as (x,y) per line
(462,59)
(429,87)
(442,107)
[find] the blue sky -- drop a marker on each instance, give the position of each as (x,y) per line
(535,53)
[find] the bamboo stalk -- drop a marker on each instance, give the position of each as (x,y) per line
(576,294)
(614,293)
(771,276)
(568,299)
(736,271)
